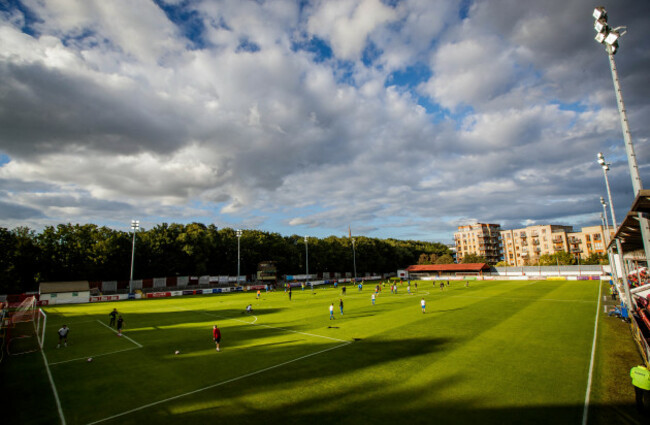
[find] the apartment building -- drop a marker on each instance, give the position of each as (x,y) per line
(521,247)
(591,240)
(480,239)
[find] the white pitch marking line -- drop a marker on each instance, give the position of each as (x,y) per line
(257,372)
(56,393)
(104,324)
(95,355)
(591,362)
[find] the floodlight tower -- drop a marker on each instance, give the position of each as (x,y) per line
(238,233)
(612,259)
(605,166)
(354,259)
(135,225)
(609,36)
(307,261)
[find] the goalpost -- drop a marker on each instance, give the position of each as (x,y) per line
(39,326)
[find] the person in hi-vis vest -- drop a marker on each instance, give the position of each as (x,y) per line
(641,380)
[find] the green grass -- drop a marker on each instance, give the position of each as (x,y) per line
(494,353)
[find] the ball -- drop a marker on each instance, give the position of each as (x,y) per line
(119,334)
(177,352)
(90,359)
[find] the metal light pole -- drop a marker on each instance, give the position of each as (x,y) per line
(238,233)
(609,36)
(354,259)
(605,167)
(307,262)
(135,225)
(612,258)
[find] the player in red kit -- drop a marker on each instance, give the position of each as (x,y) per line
(216,334)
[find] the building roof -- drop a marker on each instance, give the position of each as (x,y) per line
(469,267)
(629,231)
(58,287)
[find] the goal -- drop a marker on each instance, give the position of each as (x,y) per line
(26,333)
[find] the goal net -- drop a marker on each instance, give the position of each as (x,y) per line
(27,331)
(25,312)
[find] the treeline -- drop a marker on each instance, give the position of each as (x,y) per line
(89,252)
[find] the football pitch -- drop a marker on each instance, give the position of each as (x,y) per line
(496,352)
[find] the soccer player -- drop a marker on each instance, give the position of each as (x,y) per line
(216,334)
(373,299)
(258,294)
(249,308)
(424,305)
(408,289)
(442,286)
(63,336)
(120,325)
(113,315)
(332,312)
(289,292)
(341,305)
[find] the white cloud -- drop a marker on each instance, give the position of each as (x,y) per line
(108,108)
(348,23)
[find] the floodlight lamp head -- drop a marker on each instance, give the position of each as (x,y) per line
(601,158)
(600,37)
(600,13)
(601,25)
(602,201)
(606,167)
(611,38)
(239,232)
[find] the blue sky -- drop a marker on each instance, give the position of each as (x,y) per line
(400,119)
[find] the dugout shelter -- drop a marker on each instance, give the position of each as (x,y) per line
(64,292)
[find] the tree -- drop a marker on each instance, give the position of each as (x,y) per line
(561,258)
(473,258)
(445,259)
(501,264)
(596,259)
(424,259)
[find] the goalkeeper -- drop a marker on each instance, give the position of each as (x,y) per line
(63,336)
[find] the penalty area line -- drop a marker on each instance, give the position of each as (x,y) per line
(218,384)
(104,324)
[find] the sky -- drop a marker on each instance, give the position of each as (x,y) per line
(396,118)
